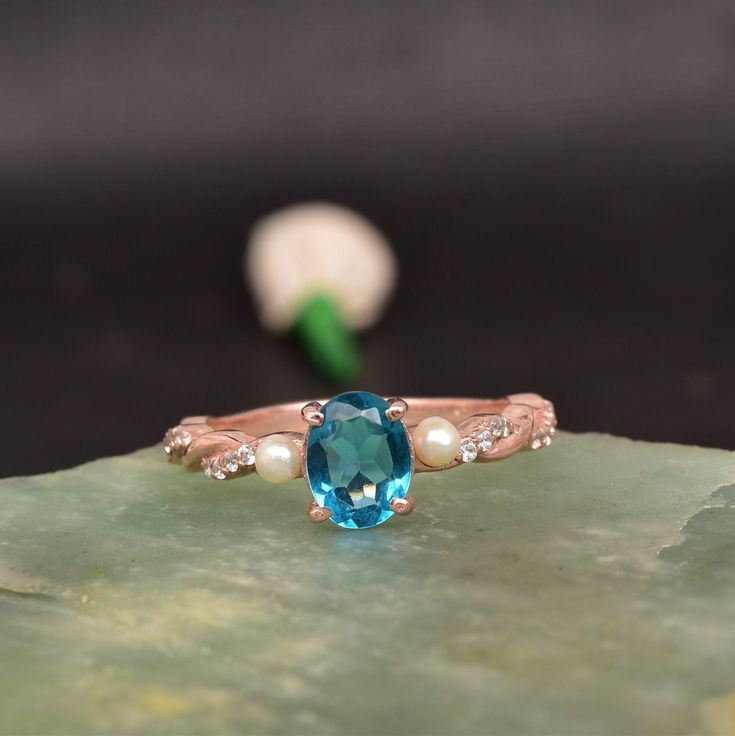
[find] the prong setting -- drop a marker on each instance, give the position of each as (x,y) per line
(312,414)
(402,506)
(396,410)
(318,514)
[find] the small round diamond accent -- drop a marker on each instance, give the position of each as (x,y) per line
(542,437)
(215,470)
(469,450)
(176,442)
(181,434)
(484,440)
(246,455)
(501,427)
(230,462)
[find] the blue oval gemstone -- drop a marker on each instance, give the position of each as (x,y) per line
(358,460)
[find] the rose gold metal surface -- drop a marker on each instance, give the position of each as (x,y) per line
(312,414)
(317,513)
(396,410)
(403,506)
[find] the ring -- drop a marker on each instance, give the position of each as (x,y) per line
(358,451)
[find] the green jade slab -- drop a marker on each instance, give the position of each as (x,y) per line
(584,589)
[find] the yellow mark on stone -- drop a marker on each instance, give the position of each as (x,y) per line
(718,715)
(163,703)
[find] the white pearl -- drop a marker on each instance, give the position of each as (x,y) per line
(436,442)
(277,459)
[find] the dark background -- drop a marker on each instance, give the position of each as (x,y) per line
(557,179)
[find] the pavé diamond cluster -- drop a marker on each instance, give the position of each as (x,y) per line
(229,463)
(542,437)
(482,440)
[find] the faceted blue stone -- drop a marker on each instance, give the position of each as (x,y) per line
(358,460)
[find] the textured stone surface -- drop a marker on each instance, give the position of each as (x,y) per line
(585,589)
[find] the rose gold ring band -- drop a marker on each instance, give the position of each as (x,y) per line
(490,429)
